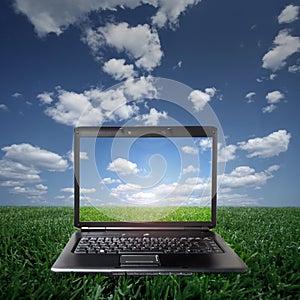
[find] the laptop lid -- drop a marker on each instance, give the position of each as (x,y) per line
(143,177)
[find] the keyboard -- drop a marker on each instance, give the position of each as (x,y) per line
(147,245)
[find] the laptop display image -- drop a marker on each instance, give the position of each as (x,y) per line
(145,203)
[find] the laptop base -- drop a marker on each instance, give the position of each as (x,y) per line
(156,264)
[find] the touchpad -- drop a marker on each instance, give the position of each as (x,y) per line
(139,261)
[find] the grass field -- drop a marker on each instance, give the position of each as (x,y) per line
(267,239)
(138,213)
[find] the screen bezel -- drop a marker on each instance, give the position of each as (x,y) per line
(145,131)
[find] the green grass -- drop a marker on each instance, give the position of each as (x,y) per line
(137,213)
(267,239)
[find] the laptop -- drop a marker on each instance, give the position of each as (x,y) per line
(145,202)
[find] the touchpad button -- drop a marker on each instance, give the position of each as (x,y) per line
(139,260)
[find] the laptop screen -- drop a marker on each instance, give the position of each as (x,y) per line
(147,177)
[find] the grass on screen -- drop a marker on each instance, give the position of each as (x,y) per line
(140,214)
(267,239)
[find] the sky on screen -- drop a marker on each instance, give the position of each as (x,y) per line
(240,58)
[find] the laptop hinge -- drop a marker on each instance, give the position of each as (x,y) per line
(203,228)
(93,228)
(143,228)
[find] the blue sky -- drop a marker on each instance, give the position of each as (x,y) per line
(240,60)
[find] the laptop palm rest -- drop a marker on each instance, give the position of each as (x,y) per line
(139,260)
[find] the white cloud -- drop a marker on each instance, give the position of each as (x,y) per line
(179,65)
(94,106)
(189,150)
(56,16)
(141,42)
(205,144)
(169,11)
(245,177)
(250,96)
(35,192)
(289,14)
(211,91)
(45,98)
(22,164)
(152,118)
(3,107)
(294,69)
(41,187)
(69,107)
(199,98)
(118,69)
(192,189)
(272,99)
(268,146)
(82,155)
(123,166)
(285,45)
(273,76)
(35,157)
(269,108)
(226,153)
(190,169)
(17,95)
(140,88)
(108,180)
(111,104)
(235,199)
(82,190)
(16,174)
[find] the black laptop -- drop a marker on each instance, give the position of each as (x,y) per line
(145,203)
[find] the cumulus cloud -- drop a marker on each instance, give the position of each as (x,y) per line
(82,190)
(250,96)
(17,95)
(123,166)
(35,192)
(16,174)
(272,99)
(226,153)
(289,14)
(194,189)
(199,98)
(140,88)
(285,45)
(169,11)
(22,165)
(141,43)
(69,107)
(269,108)
(294,69)
(82,155)
(205,144)
(3,107)
(56,16)
(35,157)
(93,107)
(268,146)
(118,69)
(108,180)
(190,169)
(189,150)
(246,177)
(45,98)
(152,118)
